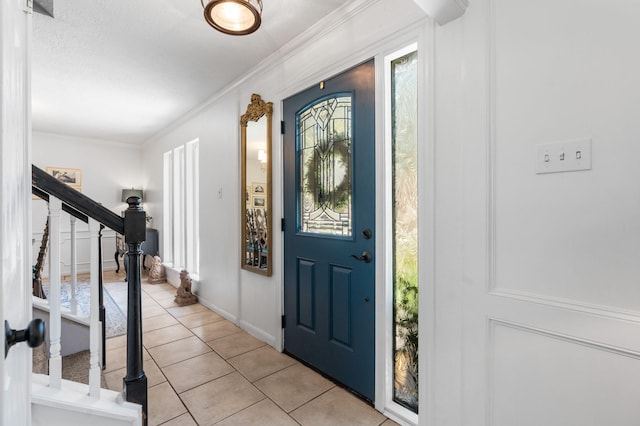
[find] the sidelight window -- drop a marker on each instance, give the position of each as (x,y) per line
(403,98)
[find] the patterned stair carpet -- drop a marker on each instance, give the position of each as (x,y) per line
(75,367)
(115,319)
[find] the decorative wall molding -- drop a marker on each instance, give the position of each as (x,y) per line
(323,27)
(92,141)
(592,344)
(494,323)
(492,286)
(491,149)
(569,305)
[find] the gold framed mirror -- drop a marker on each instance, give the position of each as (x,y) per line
(255,140)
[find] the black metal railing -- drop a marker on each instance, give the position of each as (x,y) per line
(133,227)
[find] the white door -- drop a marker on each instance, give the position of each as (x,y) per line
(550,262)
(15,199)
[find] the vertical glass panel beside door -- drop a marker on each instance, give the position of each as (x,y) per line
(404,122)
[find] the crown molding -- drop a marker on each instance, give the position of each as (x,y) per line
(319,30)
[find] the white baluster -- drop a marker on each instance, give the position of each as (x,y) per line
(74,267)
(55,360)
(95,326)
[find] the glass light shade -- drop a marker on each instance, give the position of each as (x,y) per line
(126,193)
(235,17)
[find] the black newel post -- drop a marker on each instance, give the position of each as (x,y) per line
(135,382)
(101,299)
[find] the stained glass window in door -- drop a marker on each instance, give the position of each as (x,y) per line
(324,150)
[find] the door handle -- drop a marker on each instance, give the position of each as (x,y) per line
(33,335)
(364,257)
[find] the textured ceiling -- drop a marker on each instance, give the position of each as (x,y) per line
(124,70)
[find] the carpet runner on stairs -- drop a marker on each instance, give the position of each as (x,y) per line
(75,367)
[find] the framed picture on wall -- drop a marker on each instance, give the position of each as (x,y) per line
(71,177)
(259,202)
(258,188)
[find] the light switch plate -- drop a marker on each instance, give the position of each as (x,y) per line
(567,156)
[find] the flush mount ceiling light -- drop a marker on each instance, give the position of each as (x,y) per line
(235,17)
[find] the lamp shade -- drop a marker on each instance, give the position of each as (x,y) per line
(262,156)
(126,193)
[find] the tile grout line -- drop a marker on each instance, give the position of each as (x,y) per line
(252,383)
(213,350)
(165,309)
(233,368)
(165,376)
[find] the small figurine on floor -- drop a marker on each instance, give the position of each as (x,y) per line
(156,273)
(184,296)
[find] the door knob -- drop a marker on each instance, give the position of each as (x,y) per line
(364,257)
(33,335)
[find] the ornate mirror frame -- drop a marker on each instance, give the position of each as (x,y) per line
(256,243)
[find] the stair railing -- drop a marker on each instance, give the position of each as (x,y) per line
(55,313)
(74,266)
(62,197)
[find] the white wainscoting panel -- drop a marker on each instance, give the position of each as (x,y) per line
(541,378)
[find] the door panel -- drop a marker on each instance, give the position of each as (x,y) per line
(340,307)
(329,200)
(305,293)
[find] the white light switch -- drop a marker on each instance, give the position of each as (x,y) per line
(568,156)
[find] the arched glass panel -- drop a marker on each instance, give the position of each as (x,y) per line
(325,169)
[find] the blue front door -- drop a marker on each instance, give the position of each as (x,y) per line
(329,236)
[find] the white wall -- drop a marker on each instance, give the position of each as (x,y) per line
(107,167)
(537,274)
(338,43)
(543,255)
(559,76)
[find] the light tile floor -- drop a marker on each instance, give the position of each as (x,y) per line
(203,370)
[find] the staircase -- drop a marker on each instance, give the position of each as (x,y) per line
(58,401)
(75,328)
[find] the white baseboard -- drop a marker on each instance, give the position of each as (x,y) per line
(226,315)
(258,333)
(173,278)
